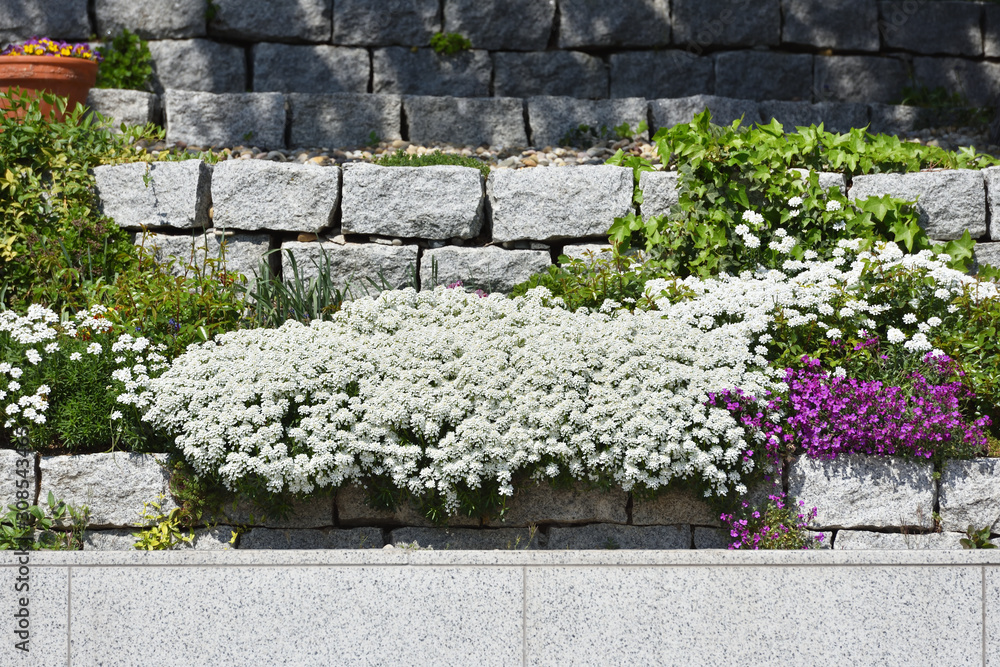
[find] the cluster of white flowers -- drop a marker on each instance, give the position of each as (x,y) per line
(783,243)
(749,239)
(440,389)
(144,359)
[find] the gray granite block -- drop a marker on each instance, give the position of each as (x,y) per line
(986,253)
(535,503)
(179,19)
(659,192)
(979,81)
(860,79)
(18,480)
(589,24)
(764,75)
(243,252)
(436,202)
(48,612)
(949,202)
(479,539)
(991,176)
(114,486)
(513,25)
(331,538)
(970,495)
(826,179)
(723,23)
(132,107)
(848,25)
(267,21)
(253,195)
(569,73)
(21,20)
(991,30)
(860,539)
(549,203)
(353,510)
(897,119)
(552,118)
(490,269)
(660,74)
(315,511)
(198,64)
(352,265)
(613,536)
(403,71)
(343,120)
(178,194)
(497,121)
(587,252)
(319,68)
(205,539)
(835,116)
(865,491)
(670,112)
(205,119)
(385,22)
(670,508)
(945,26)
(712,538)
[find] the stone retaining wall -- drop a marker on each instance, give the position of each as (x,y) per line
(427,226)
(847,50)
(863,502)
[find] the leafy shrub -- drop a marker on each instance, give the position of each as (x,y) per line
(402,159)
(450,43)
(127,63)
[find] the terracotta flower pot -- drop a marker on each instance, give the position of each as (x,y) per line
(67,77)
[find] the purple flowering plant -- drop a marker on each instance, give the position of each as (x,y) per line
(43,46)
(779,524)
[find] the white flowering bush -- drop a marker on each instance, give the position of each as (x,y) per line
(443,391)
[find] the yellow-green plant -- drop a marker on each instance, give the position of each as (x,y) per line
(163,531)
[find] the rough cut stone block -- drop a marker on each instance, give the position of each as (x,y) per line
(859,79)
(541,503)
(860,539)
(949,203)
(243,252)
(585,23)
(178,194)
(21,20)
(612,536)
(835,116)
(114,486)
(991,30)
(979,81)
(711,538)
(986,253)
(897,119)
(490,269)
(587,252)
(353,264)
(423,72)
(670,508)
(849,25)
(198,64)
(931,27)
(310,69)
(353,510)
(437,202)
(265,20)
(331,538)
(670,112)
(205,539)
(252,195)
(440,539)
(660,74)
(551,118)
(991,176)
(569,73)
(548,203)
(204,119)
(178,19)
(132,107)
(764,75)
(826,179)
(343,120)
(659,192)
(864,491)
(497,121)
(513,25)
(970,495)
(726,23)
(385,22)
(11,482)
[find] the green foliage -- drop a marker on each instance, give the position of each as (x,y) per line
(977,539)
(52,237)
(585,135)
(162,531)
(449,43)
(127,63)
(273,301)
(954,107)
(34,528)
(402,159)
(211,10)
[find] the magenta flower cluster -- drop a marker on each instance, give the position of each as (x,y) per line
(774,528)
(458,285)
